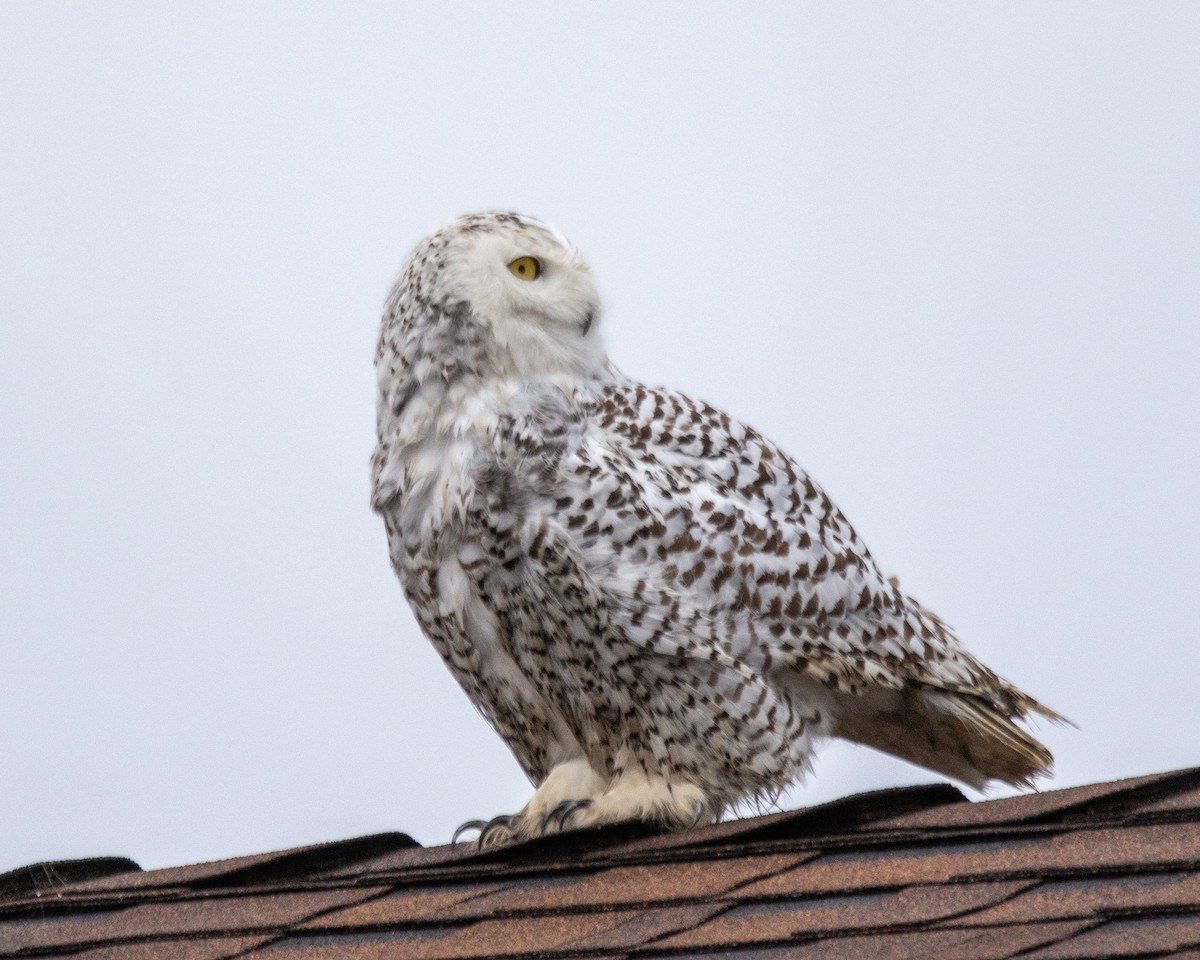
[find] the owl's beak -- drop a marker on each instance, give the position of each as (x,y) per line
(587,323)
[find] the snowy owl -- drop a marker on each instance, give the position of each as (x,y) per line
(659,611)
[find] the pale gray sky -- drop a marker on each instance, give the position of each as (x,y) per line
(946,254)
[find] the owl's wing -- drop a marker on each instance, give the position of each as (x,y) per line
(726,522)
(701,512)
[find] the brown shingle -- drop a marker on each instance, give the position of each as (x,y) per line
(1065,899)
(293,863)
(1110,870)
(1186,802)
(837,816)
(787,919)
(398,861)
(640,927)
(1027,807)
(1157,845)
(995,943)
(210,948)
(169,877)
(409,904)
(615,930)
(208,915)
(698,879)
(1127,938)
(52,876)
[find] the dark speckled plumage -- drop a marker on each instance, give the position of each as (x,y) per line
(627,577)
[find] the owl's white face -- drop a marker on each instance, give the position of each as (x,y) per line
(529,293)
(530,275)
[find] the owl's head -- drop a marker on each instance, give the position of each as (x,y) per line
(491,295)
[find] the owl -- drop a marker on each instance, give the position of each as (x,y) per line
(655,607)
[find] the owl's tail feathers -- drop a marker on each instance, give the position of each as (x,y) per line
(968,736)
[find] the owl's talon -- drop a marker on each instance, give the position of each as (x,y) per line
(502,822)
(479,825)
(696,819)
(563,812)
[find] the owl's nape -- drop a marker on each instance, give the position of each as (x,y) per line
(655,607)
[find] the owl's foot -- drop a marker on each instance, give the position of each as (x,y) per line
(574,796)
(636,795)
(569,787)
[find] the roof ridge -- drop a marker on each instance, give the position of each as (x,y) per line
(1144,789)
(907,872)
(308,860)
(43,876)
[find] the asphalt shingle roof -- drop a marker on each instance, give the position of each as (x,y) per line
(1110,870)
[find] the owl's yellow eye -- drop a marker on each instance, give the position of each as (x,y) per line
(525,268)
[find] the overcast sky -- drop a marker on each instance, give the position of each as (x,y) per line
(946,254)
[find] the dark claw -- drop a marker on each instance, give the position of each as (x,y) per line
(469,825)
(563,812)
(699,813)
(492,826)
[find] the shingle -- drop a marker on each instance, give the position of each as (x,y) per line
(1157,845)
(838,816)
(405,905)
(208,948)
(677,882)
(572,845)
(310,861)
(994,943)
(648,924)
(1112,870)
(1097,897)
(664,845)
(1187,801)
(170,877)
(296,862)
(783,920)
(867,869)
(398,861)
(53,875)
(1127,938)
(209,915)
(1030,807)
(569,847)
(609,931)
